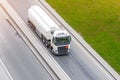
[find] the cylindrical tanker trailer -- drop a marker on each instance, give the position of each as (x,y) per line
(54,37)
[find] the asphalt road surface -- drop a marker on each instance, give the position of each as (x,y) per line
(79,64)
(17,57)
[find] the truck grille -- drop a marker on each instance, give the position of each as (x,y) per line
(62,49)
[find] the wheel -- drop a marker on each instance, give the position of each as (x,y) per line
(51,48)
(29,22)
(46,44)
(43,40)
(52,51)
(33,27)
(40,36)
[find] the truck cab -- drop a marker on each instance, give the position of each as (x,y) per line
(60,42)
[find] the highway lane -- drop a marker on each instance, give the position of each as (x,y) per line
(17,57)
(79,64)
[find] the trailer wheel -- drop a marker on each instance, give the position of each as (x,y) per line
(43,40)
(29,22)
(46,44)
(33,27)
(41,36)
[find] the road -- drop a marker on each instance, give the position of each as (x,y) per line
(17,57)
(79,64)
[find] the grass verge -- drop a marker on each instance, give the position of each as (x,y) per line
(98,21)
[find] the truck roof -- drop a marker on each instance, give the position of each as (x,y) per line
(61,33)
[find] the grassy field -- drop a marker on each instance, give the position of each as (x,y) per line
(98,21)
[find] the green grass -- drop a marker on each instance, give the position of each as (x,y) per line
(98,21)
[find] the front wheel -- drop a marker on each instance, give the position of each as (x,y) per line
(51,48)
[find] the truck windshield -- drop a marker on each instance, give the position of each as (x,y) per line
(62,40)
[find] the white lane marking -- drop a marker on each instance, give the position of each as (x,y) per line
(4,70)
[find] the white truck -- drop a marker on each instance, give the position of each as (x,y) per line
(54,37)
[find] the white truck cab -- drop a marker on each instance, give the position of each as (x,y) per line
(61,42)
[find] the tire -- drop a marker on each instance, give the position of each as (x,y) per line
(33,28)
(31,25)
(41,36)
(52,51)
(43,40)
(51,48)
(46,44)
